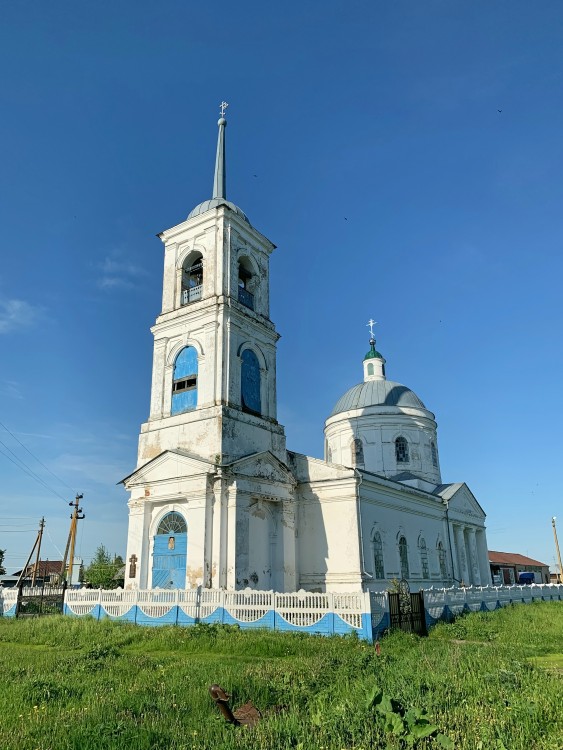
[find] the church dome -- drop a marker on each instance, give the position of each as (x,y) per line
(382,427)
(201,208)
(377,393)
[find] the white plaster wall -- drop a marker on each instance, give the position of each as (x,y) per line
(328,551)
(378,428)
(399,512)
(328,548)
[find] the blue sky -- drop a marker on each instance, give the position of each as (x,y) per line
(365,141)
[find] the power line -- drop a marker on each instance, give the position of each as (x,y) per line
(53,543)
(35,457)
(26,470)
(24,531)
(14,525)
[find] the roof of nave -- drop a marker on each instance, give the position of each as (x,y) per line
(377,393)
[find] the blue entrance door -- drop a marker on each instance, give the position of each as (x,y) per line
(170,553)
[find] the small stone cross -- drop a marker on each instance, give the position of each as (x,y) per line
(132,566)
(223,106)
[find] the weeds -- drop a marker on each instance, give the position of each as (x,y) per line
(78,684)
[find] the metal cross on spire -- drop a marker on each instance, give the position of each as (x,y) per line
(370,325)
(223,106)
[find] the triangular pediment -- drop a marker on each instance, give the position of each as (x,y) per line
(263,466)
(168,465)
(461,500)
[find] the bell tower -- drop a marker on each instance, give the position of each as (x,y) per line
(213,391)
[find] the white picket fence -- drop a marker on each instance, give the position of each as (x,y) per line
(439,602)
(366,613)
(299,609)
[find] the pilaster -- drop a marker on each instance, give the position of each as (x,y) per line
(475,572)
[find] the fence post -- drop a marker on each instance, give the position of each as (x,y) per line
(222,605)
(65,589)
(332,616)
(274,610)
(99,602)
(197,613)
(367,622)
(18,600)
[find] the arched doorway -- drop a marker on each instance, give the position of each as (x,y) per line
(170,552)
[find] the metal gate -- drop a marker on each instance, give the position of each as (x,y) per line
(406,611)
(40,600)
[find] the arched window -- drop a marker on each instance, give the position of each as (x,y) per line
(172,523)
(370,368)
(434,453)
(250,382)
(404,557)
(423,558)
(246,283)
(357,452)
(192,279)
(401,450)
(442,560)
(378,567)
(328,454)
(184,383)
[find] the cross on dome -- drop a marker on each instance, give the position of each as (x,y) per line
(223,106)
(370,324)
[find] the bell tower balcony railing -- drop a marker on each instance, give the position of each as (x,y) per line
(245,298)
(191,295)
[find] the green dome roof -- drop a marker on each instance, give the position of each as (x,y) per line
(373,354)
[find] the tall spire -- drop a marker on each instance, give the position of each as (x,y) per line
(219,197)
(220,179)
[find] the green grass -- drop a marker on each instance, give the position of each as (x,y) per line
(84,685)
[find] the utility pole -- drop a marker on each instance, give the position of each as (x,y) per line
(76,516)
(558,550)
(35,543)
(38,556)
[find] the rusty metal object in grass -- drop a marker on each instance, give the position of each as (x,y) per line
(247,715)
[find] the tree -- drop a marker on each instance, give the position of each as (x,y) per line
(2,568)
(102,570)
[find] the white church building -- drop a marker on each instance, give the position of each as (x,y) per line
(218,501)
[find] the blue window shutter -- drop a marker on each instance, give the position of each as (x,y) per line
(185,366)
(250,382)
